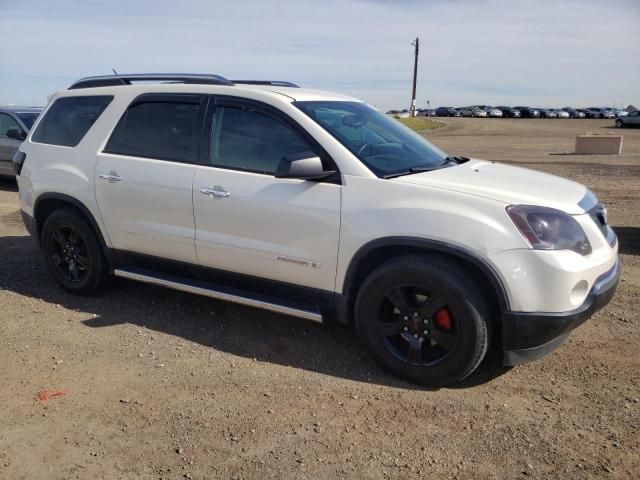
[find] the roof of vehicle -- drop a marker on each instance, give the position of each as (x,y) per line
(15,109)
(198,83)
(295,94)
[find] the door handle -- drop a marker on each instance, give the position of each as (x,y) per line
(111,177)
(215,192)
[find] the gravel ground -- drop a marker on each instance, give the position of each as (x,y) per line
(160,384)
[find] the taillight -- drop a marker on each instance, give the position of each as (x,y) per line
(18,161)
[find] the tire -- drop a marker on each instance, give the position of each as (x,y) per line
(67,235)
(431,348)
(619,123)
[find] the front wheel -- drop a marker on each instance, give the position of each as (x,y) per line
(73,253)
(424,319)
(619,123)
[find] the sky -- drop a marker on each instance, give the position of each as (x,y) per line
(515,52)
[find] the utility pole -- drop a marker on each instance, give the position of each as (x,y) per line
(412,110)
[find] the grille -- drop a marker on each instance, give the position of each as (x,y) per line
(599,215)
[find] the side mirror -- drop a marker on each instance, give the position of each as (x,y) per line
(16,134)
(303,166)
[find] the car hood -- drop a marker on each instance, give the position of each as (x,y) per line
(504,183)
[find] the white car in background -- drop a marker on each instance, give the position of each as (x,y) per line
(562,114)
(316,205)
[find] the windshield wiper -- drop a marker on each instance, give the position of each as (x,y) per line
(414,170)
(456,160)
(446,162)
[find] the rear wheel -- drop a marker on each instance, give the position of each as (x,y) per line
(73,253)
(424,319)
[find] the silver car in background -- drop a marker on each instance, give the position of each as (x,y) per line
(492,111)
(15,123)
(632,119)
(473,111)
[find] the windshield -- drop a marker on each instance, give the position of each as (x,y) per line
(383,144)
(28,118)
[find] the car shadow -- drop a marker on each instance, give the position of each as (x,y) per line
(628,239)
(329,348)
(8,184)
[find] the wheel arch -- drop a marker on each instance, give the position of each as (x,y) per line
(378,251)
(47,203)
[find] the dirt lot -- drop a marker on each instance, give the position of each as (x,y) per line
(161,384)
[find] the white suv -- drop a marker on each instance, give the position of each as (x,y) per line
(315,205)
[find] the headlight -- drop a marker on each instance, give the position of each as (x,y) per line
(549,229)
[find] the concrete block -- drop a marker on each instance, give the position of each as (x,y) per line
(598,144)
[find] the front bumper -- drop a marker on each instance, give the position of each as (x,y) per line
(529,336)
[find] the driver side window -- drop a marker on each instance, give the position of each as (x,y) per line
(248,140)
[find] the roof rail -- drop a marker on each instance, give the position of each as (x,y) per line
(113,80)
(274,83)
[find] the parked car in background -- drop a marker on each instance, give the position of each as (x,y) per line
(425,112)
(473,111)
(491,111)
(630,120)
(587,113)
(15,123)
(562,114)
(602,112)
(547,113)
(528,112)
(509,112)
(620,112)
(447,112)
(573,113)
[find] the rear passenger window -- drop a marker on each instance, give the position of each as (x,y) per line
(244,139)
(156,129)
(69,119)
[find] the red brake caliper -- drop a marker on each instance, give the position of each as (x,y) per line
(443,320)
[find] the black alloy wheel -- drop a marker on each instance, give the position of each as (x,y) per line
(424,318)
(73,253)
(416,326)
(68,253)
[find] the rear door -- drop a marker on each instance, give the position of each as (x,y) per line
(253,223)
(144,176)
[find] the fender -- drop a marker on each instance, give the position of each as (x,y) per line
(429,245)
(76,203)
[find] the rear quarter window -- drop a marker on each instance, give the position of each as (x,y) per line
(69,119)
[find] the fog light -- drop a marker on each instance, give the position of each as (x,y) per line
(579,293)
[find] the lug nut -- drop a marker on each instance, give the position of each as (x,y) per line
(406,318)
(406,329)
(425,321)
(415,335)
(415,314)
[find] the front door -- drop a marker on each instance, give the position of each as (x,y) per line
(144,177)
(8,146)
(248,221)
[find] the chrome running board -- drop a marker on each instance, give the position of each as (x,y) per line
(219,293)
